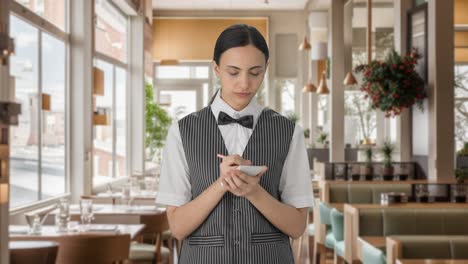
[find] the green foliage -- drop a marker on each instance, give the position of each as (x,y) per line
(293,117)
(463,151)
(368,153)
(393,84)
(157,122)
(322,137)
(387,150)
(461,174)
(307,133)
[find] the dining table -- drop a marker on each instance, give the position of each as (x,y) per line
(22,232)
(432,261)
(115,214)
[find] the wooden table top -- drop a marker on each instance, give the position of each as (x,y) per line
(432,261)
(442,181)
(21,245)
(18,232)
(121,210)
(411,206)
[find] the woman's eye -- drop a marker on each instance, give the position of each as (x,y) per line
(255,74)
(233,74)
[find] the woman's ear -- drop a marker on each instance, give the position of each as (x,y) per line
(215,68)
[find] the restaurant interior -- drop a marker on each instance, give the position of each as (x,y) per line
(89,89)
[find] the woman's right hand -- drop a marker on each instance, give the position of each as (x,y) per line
(230,163)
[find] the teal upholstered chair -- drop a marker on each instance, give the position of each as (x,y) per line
(373,255)
(325,219)
(337,224)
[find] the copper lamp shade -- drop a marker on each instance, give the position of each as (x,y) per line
(309,88)
(323,88)
(305,45)
(349,79)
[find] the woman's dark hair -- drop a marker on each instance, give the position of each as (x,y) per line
(240,35)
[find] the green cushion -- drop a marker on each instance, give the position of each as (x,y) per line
(311,229)
(427,248)
(372,255)
(459,248)
(330,240)
(442,247)
(337,223)
(413,222)
(340,248)
(359,193)
(324,210)
(140,251)
(370,223)
(455,222)
(338,193)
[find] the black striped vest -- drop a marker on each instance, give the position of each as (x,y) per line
(235,232)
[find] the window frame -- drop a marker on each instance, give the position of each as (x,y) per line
(457,64)
(114,62)
(42,25)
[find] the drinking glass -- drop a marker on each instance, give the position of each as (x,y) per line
(86,212)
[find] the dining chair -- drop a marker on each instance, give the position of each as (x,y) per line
(154,252)
(98,248)
(42,252)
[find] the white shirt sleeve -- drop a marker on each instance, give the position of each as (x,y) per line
(174,184)
(295,184)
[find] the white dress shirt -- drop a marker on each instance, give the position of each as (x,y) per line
(295,184)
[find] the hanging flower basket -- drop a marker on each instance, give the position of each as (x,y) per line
(393,84)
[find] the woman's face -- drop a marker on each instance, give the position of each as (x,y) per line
(241,71)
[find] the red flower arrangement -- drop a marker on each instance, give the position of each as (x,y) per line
(393,84)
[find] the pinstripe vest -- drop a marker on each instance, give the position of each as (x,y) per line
(235,231)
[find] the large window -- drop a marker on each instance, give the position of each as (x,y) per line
(110,30)
(110,150)
(38,143)
(360,120)
(461,105)
(182,89)
(52,10)
(110,147)
(288,96)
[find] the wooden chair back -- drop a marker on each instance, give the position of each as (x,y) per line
(155,225)
(96,248)
(42,252)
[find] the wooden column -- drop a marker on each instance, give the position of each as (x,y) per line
(336,96)
(441,91)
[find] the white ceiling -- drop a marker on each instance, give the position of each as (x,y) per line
(229,4)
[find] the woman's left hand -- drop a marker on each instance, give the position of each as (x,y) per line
(241,184)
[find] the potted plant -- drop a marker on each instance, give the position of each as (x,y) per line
(461,174)
(387,150)
(157,124)
(367,169)
(462,156)
(459,192)
(292,116)
(307,133)
(322,138)
(393,84)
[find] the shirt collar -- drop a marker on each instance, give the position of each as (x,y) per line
(253,108)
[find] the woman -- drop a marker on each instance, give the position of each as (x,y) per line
(221,214)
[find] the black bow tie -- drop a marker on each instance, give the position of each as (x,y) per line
(246,121)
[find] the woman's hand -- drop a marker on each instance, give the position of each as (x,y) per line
(230,163)
(241,184)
